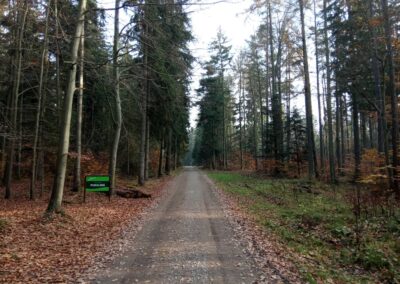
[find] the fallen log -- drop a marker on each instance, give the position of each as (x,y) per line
(132,193)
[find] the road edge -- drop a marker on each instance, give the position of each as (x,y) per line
(128,234)
(257,242)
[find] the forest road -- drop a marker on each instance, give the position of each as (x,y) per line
(187,239)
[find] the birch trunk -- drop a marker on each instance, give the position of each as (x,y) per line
(77,176)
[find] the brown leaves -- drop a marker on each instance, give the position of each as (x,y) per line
(35,250)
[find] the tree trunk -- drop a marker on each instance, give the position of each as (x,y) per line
(344,125)
(41,172)
(244,145)
(7,108)
(274,104)
(143,133)
(58,75)
(391,91)
(261,108)
(147,161)
(39,105)
(278,99)
(364,139)
(77,177)
(379,97)
(175,154)
(288,99)
(19,157)
(62,156)
(307,91)
(254,109)
(14,101)
(267,94)
(168,155)
(347,128)
(240,119)
(223,124)
(371,132)
(321,134)
(128,157)
(356,133)
(118,122)
(160,160)
(331,155)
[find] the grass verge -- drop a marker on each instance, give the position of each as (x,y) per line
(317,222)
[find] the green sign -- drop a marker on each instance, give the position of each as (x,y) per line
(97,183)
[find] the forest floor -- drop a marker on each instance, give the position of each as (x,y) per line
(34,249)
(313,226)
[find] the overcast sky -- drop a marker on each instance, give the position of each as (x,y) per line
(207,16)
(233,19)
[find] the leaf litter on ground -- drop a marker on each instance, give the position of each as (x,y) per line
(65,247)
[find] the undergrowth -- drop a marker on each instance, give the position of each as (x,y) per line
(318,222)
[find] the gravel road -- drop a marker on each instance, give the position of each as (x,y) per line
(186,239)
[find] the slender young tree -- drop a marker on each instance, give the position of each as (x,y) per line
(317,67)
(391,91)
(307,94)
(62,156)
(39,104)
(118,110)
(147,162)
(331,155)
(77,176)
(144,100)
(21,20)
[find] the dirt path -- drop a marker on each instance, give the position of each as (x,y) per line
(187,239)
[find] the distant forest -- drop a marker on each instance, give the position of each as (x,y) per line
(250,117)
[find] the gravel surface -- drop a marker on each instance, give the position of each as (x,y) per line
(186,239)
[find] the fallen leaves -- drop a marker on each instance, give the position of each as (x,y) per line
(60,250)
